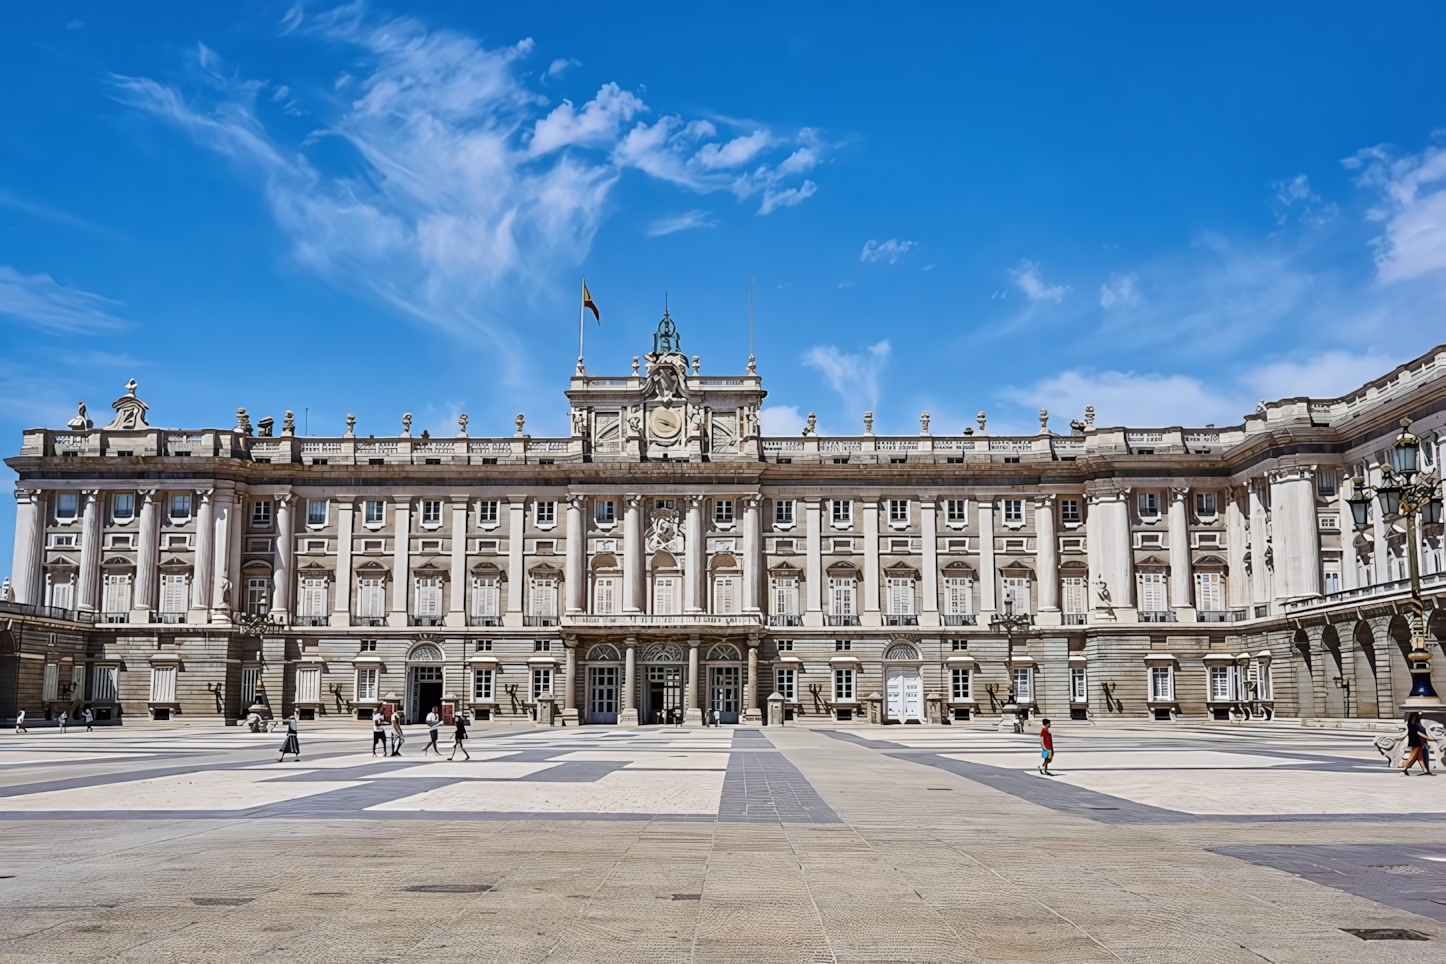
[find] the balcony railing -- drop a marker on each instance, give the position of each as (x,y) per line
(115,617)
(168,619)
(368,620)
(484,620)
(1152,616)
(960,619)
(49,612)
(539,620)
(312,621)
(785,619)
(415,620)
(1212,616)
(832,620)
(1434,581)
(899,619)
(1074,619)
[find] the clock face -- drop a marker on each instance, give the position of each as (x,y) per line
(665,422)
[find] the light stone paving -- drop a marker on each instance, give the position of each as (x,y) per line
(866,844)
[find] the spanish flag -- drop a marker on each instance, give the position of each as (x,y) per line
(588,303)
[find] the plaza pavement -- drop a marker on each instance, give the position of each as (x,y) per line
(1155,842)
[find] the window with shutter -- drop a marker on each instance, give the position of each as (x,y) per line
(50,682)
(725,594)
(1153,598)
(544,597)
(1162,683)
(62,593)
(163,684)
(1220,683)
(1078,693)
(785,596)
(308,685)
(1209,592)
(485,596)
(1074,595)
(429,596)
(366,684)
(313,597)
(841,592)
(1024,684)
(901,597)
(958,596)
(665,595)
(1016,591)
(605,595)
(103,684)
(960,687)
(117,593)
(371,597)
(173,593)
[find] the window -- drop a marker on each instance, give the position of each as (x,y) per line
(783,684)
(958,644)
(431,512)
(1210,592)
(261,514)
(308,684)
(67,505)
(954,510)
(1016,593)
(541,683)
(785,645)
(1023,677)
(366,684)
(428,600)
(1325,483)
(62,592)
(487,512)
(371,598)
(485,596)
(900,596)
(605,512)
(1258,680)
(544,596)
(368,646)
(843,512)
(1069,512)
(316,512)
(960,689)
(181,505)
(841,597)
(103,683)
(783,512)
(1013,510)
(50,682)
(1074,596)
(117,597)
(542,645)
(313,598)
(1153,595)
(843,645)
(163,684)
(723,511)
(484,645)
(1149,503)
(665,596)
(1332,581)
(1220,684)
(482,686)
(1162,684)
(1205,504)
(605,595)
(785,596)
(174,598)
(250,676)
(123,505)
(725,594)
(374,512)
(958,595)
(663,504)
(899,510)
(843,686)
(546,513)
(258,596)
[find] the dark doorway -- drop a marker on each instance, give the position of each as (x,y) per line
(426,692)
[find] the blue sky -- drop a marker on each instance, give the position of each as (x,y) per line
(1166,212)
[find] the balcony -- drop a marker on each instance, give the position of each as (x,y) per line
(1435,582)
(899,619)
(832,620)
(647,620)
(539,620)
(1149,616)
(368,620)
(115,618)
(49,612)
(312,621)
(484,620)
(168,619)
(1212,616)
(1074,619)
(415,620)
(785,619)
(960,619)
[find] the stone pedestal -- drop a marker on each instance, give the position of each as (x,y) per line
(775,709)
(693,716)
(569,716)
(628,718)
(753,715)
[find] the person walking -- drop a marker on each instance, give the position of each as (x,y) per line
(398,738)
(292,744)
(1046,747)
(1418,750)
(64,714)
(379,731)
(89,720)
(20,723)
(434,720)
(717,717)
(459,737)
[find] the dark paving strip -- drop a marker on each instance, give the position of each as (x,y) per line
(766,788)
(751,740)
(1398,875)
(350,801)
(443,815)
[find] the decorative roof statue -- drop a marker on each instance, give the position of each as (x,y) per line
(350,425)
(812,427)
(130,412)
(666,340)
(288,423)
(263,426)
(407,425)
(243,422)
(80,423)
(462,425)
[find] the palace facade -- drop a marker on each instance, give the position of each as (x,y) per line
(666,559)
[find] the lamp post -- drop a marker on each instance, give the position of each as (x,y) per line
(1404,492)
(1009,622)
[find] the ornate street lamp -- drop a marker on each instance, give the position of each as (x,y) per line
(1009,622)
(1404,492)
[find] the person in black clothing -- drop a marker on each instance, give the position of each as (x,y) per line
(460,737)
(1416,745)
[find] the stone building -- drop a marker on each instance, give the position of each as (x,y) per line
(665,559)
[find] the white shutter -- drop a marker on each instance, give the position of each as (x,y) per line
(1152,592)
(544,594)
(605,594)
(785,596)
(665,595)
(1074,595)
(958,596)
(308,685)
(429,596)
(723,595)
(842,591)
(1219,683)
(372,598)
(102,684)
(50,682)
(313,597)
(1017,589)
(1208,592)
(117,594)
(1162,687)
(163,684)
(62,594)
(901,597)
(173,593)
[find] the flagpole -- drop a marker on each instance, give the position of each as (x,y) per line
(580,326)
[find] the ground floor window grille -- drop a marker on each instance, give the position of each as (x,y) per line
(163,684)
(366,684)
(482,686)
(50,682)
(103,684)
(1024,684)
(249,677)
(1077,690)
(843,685)
(308,685)
(1162,684)
(960,689)
(784,684)
(541,683)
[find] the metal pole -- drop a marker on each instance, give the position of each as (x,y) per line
(580,326)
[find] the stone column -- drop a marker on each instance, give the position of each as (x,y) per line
(1380,546)
(629,715)
(1297,533)
(1046,554)
(1182,590)
(576,575)
(988,574)
(284,573)
(147,559)
(223,516)
(871,561)
(401,561)
(87,594)
(751,712)
(1119,555)
(1260,575)
(29,541)
(345,522)
(457,574)
(516,522)
(929,525)
(569,679)
(234,542)
(1350,579)
(693,557)
(692,715)
(205,558)
(1237,587)
(752,552)
(813,567)
(633,554)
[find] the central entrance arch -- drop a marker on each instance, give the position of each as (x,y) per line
(424,681)
(662,694)
(903,684)
(725,682)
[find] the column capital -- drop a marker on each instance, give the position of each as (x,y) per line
(633,500)
(1045,498)
(630,642)
(1179,493)
(694,641)
(30,496)
(575,501)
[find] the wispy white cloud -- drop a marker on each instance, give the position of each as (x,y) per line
(1328,374)
(559,66)
(854,375)
(1122,290)
(686,221)
(1411,204)
(1295,196)
(779,420)
(891,250)
(792,197)
(1028,279)
(1129,398)
(39,301)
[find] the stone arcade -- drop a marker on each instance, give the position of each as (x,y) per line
(666,559)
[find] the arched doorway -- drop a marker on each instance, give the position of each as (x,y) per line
(1304,680)
(662,696)
(1337,700)
(903,684)
(425,684)
(604,677)
(725,682)
(1399,631)
(1365,665)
